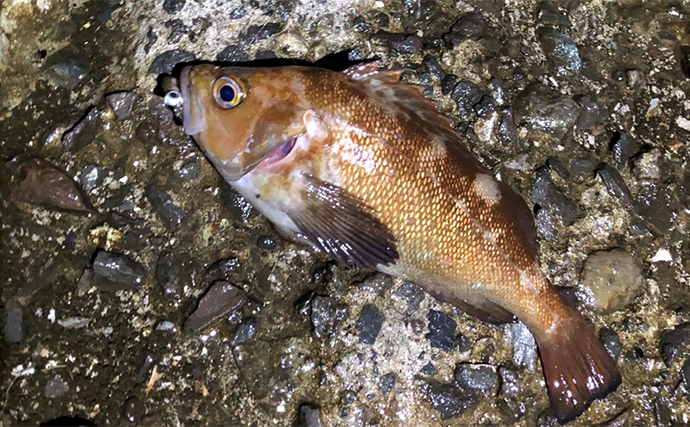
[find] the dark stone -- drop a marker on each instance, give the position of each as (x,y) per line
(582,168)
(382,20)
(133,409)
(684,60)
(523,344)
(623,148)
(171,214)
(547,195)
(177,30)
(557,166)
(360,25)
(151,39)
(615,185)
(429,369)
(449,399)
(464,343)
(377,284)
(232,53)
(326,315)
(448,83)
(590,113)
(238,13)
(240,209)
(38,182)
(546,110)
(173,6)
(190,171)
(369,324)
(349,397)
(309,416)
(265,54)
(166,61)
(409,44)
(470,26)
(685,374)
(55,387)
(434,68)
(118,269)
(477,377)
(664,411)
(498,92)
(256,33)
(46,277)
(612,342)
(91,177)
(117,199)
(654,204)
(510,381)
(224,268)
(386,382)
(546,226)
(170,274)
(507,130)
(246,331)
(221,300)
(265,242)
(466,94)
(673,343)
(14,326)
(441,331)
(67,68)
(485,106)
(412,294)
(83,132)
(561,50)
(549,13)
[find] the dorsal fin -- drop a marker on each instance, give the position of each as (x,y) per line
(385,85)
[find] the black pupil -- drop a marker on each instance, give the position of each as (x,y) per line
(227,93)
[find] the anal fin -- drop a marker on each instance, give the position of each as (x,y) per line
(486,311)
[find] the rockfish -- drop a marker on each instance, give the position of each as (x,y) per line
(361,166)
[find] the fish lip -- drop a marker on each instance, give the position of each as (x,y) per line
(192,125)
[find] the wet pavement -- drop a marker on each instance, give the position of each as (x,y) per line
(139,289)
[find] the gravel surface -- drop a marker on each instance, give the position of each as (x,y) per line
(139,289)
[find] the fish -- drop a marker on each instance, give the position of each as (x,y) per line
(361,166)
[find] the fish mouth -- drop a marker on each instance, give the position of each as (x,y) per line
(178,96)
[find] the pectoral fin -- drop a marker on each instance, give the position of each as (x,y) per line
(342,226)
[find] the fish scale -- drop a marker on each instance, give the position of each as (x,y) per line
(363,167)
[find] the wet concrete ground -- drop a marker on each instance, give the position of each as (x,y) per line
(138,288)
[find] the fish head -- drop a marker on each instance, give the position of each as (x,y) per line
(239,116)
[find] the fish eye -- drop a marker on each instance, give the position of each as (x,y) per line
(227,93)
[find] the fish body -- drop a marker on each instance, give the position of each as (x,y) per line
(363,167)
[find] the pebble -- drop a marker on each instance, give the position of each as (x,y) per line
(173,6)
(448,83)
(561,50)
(498,91)
(38,182)
(429,369)
(14,325)
(646,165)
(613,278)
(118,269)
(466,95)
(326,315)
(673,344)
(546,225)
(67,68)
(615,185)
(590,113)
(232,53)
(377,284)
(524,347)
(221,300)
(122,103)
(190,171)
(55,387)
(510,382)
(434,67)
(685,374)
(171,214)
(224,268)
(582,168)
(485,106)
(360,25)
(83,132)
(246,331)
(386,382)
(550,14)
(369,324)
(633,78)
(91,177)
(407,45)
(464,343)
(612,342)
(468,27)
(412,295)
(547,195)
(133,409)
(546,110)
(449,399)
(265,54)
(654,204)
(240,209)
(170,274)
(507,130)
(475,376)
(46,277)
(265,242)
(256,33)
(74,322)
(623,148)
(238,13)
(309,416)
(441,331)
(684,60)
(166,61)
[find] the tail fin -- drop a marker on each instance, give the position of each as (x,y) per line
(577,368)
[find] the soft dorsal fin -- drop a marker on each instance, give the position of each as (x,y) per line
(385,86)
